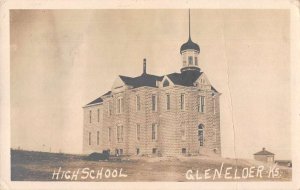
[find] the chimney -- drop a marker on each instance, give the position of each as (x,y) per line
(144,66)
(263,148)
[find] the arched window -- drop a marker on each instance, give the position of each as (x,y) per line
(201,134)
(166,83)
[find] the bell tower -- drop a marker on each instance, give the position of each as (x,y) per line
(190,52)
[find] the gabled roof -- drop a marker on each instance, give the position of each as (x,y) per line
(264,152)
(98,100)
(143,80)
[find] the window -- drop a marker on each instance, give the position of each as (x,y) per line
(90,140)
(196,60)
(109,108)
(201,134)
(138,103)
(138,132)
(190,60)
(184,60)
(182,102)
(90,116)
(216,137)
(109,134)
(201,106)
(121,151)
(154,102)
(168,102)
(154,132)
(98,136)
(183,132)
(214,105)
(154,150)
(119,105)
(166,83)
(98,113)
(183,150)
(120,133)
(137,151)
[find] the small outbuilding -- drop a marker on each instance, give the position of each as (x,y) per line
(264,156)
(287,163)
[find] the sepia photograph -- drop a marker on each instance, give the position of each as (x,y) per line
(182,94)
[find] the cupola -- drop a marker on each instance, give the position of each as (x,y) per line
(190,52)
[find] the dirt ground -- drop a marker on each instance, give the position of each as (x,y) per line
(40,166)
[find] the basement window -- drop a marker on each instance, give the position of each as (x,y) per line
(154,150)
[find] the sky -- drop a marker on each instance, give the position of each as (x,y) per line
(63,59)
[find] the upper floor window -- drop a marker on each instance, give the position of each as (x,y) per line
(109,108)
(196,61)
(138,103)
(182,101)
(154,102)
(120,105)
(138,132)
(168,102)
(214,105)
(90,138)
(90,116)
(190,60)
(120,133)
(183,132)
(201,106)
(154,132)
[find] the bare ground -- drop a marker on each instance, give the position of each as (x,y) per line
(39,166)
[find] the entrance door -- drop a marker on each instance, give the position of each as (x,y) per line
(201,134)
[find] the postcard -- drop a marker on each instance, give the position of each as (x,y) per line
(145,95)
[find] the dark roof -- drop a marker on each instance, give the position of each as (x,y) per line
(98,100)
(213,88)
(264,152)
(143,80)
(189,45)
(107,93)
(186,78)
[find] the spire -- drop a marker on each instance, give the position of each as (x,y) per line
(189,24)
(144,66)
(189,44)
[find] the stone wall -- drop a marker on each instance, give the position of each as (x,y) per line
(171,123)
